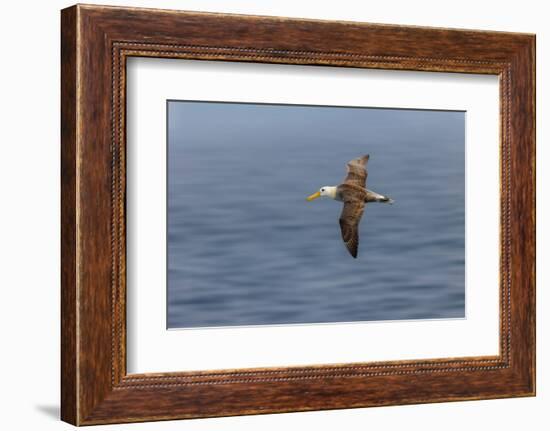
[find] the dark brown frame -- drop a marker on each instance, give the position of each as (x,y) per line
(95,42)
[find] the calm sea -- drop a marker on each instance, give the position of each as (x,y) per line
(246,248)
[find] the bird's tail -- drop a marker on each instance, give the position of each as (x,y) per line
(377,197)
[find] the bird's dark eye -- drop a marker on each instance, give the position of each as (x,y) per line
(322,190)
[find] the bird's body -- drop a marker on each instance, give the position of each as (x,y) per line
(354,194)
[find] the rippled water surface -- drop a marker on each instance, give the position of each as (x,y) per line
(246,248)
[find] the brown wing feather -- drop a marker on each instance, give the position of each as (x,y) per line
(349,224)
(357,171)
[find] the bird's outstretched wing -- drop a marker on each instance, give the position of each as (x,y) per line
(349,224)
(357,171)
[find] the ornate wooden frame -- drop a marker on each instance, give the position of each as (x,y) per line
(95,42)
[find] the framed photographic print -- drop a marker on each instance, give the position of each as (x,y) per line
(265,214)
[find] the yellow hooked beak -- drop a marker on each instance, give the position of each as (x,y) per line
(313,196)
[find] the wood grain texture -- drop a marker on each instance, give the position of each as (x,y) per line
(69,397)
(96,41)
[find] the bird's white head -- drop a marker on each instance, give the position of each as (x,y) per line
(326,191)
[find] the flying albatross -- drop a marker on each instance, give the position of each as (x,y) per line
(354,194)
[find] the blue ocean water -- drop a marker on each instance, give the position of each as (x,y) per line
(246,248)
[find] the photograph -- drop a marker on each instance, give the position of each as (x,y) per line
(302,214)
(277,209)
